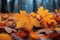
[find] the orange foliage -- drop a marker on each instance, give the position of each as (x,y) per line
(27,21)
(42,12)
(35,22)
(16,16)
(5,37)
(33,35)
(22,19)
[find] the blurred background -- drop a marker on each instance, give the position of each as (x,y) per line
(28,5)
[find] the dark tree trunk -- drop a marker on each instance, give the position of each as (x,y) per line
(12,5)
(42,3)
(21,4)
(3,6)
(59,3)
(54,5)
(34,6)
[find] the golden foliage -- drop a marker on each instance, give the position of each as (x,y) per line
(21,19)
(50,15)
(25,20)
(16,16)
(5,36)
(33,35)
(40,9)
(38,17)
(35,22)
(28,22)
(33,14)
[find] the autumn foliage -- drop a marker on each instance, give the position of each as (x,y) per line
(24,20)
(4,36)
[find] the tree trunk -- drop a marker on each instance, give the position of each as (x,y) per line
(59,3)
(34,6)
(12,5)
(3,6)
(54,5)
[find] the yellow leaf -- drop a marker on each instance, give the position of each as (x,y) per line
(46,11)
(29,23)
(16,16)
(35,22)
(33,35)
(33,14)
(50,15)
(4,36)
